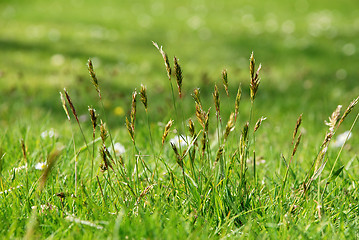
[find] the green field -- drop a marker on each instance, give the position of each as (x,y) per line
(216,184)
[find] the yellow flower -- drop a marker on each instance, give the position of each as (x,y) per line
(119,111)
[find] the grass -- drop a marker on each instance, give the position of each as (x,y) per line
(225,180)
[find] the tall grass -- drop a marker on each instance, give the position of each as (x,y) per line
(206,177)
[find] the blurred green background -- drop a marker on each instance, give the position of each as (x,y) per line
(308,49)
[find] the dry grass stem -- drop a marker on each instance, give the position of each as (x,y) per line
(179,78)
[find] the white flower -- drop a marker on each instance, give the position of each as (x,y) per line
(181,141)
(341,138)
(20,168)
(119,148)
(48,133)
(40,165)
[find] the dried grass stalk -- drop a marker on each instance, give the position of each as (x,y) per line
(133,110)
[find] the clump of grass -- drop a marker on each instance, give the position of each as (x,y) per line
(210,176)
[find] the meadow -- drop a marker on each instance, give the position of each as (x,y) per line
(188,120)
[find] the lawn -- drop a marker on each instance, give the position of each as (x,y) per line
(220,180)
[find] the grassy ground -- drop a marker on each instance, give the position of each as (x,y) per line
(308,51)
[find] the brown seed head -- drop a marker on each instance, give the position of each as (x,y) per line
(72,107)
(191,127)
(178,72)
(143,94)
(348,110)
(93,77)
(238,99)
(225,80)
(103,131)
(229,126)
(133,110)
(166,131)
(64,106)
(258,123)
(299,121)
(93,116)
(216,99)
(165,58)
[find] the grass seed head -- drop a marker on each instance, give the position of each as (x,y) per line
(348,110)
(93,76)
(64,106)
(166,131)
(200,114)
(254,77)
(229,126)
(333,119)
(130,130)
(216,99)
(225,80)
(178,72)
(165,58)
(196,96)
(238,99)
(191,128)
(133,109)
(179,159)
(299,121)
(258,123)
(93,116)
(296,144)
(72,107)
(143,94)
(103,131)
(219,154)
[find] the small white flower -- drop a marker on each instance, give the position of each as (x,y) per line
(20,168)
(119,148)
(40,165)
(48,133)
(341,138)
(181,141)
